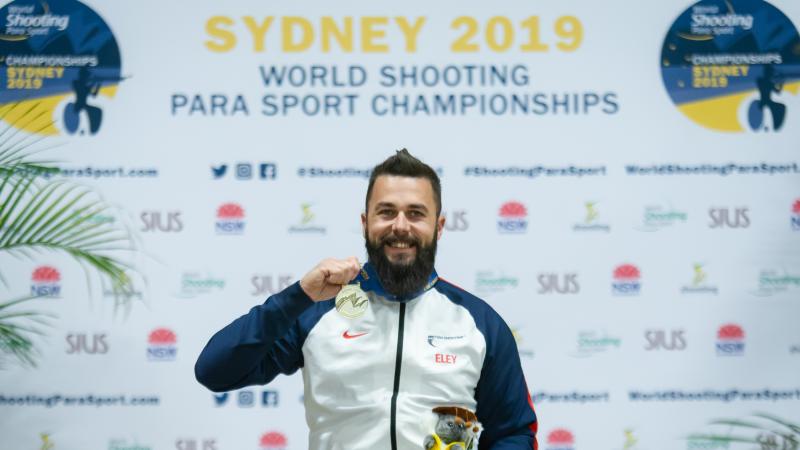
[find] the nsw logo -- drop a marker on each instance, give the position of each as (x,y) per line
(230,219)
(560,439)
(161,345)
(626,280)
(730,340)
(273,440)
(513,218)
(46,282)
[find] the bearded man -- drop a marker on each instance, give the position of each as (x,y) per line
(381,346)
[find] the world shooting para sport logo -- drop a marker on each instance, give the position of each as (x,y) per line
(796,215)
(730,65)
(59,67)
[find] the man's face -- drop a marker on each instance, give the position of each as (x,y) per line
(401,229)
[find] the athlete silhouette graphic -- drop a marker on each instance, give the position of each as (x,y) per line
(767,83)
(84,86)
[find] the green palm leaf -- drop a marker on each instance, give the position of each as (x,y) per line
(17,329)
(39,215)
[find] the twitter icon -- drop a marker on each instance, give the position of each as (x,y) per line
(219,171)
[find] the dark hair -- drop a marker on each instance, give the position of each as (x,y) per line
(404,165)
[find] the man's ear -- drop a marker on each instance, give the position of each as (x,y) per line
(364,224)
(439,226)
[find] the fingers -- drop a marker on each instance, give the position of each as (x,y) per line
(327,278)
(340,271)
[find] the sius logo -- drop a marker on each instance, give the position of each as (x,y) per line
(269,284)
(196,444)
(170,221)
(230,219)
(796,215)
(560,439)
(730,340)
(626,280)
(554,283)
(455,220)
(247,398)
(162,345)
(657,339)
(512,218)
(81,343)
(728,218)
(273,440)
(46,282)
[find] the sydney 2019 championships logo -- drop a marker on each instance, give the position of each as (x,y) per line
(733,65)
(59,67)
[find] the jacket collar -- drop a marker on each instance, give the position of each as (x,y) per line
(369,281)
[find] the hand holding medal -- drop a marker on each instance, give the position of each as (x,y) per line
(327,279)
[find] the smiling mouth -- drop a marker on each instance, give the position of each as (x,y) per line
(398,244)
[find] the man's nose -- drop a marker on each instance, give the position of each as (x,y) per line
(401,225)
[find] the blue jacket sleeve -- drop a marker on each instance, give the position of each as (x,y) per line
(256,347)
(504,406)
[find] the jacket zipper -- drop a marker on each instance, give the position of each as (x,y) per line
(397,363)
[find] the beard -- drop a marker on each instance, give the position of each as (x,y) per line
(402,279)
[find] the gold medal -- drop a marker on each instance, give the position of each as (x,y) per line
(351,301)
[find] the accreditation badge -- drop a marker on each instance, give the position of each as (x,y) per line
(352,301)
